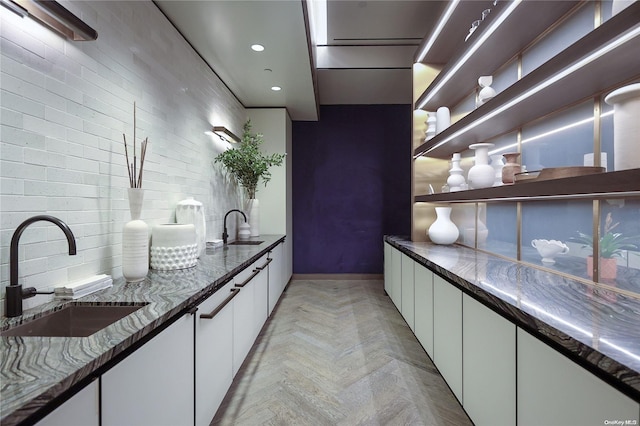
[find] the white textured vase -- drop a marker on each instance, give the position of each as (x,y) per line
(443,119)
(626,126)
(481,175)
(190,211)
(135,241)
(431,125)
(497,162)
(174,246)
(443,230)
(253,210)
(456,179)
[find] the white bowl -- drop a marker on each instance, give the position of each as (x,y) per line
(549,249)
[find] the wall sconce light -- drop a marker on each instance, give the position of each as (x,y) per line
(54,16)
(225,134)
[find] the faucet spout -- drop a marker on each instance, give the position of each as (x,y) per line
(15,293)
(225,235)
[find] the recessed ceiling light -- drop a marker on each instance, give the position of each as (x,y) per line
(257,47)
(276,88)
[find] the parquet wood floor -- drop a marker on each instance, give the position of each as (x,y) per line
(338,353)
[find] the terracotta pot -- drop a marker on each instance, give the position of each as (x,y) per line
(608,268)
(511,167)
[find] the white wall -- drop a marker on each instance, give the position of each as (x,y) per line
(65,106)
(276,211)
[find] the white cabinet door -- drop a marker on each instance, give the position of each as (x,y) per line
(154,385)
(447,333)
(393,275)
(554,390)
(387,268)
(408,295)
(488,365)
(423,279)
(244,317)
(276,276)
(82,409)
(214,352)
(261,295)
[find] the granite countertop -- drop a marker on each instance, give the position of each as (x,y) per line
(596,328)
(35,370)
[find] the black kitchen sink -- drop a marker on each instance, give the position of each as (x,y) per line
(245,243)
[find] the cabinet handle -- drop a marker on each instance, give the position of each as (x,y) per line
(260,268)
(252,276)
(234,293)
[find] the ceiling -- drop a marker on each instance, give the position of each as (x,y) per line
(366,58)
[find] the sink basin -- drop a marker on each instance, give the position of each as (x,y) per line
(245,243)
(74,320)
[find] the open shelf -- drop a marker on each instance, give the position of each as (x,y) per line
(624,183)
(541,92)
(525,24)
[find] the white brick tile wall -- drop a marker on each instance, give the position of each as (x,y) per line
(64,108)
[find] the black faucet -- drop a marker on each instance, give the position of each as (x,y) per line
(15,293)
(225,236)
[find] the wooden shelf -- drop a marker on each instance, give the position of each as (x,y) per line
(624,183)
(525,24)
(510,109)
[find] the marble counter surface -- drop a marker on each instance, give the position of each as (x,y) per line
(35,370)
(596,328)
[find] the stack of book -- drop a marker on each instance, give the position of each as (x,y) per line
(83,287)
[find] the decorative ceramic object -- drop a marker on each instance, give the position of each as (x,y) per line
(497,163)
(511,167)
(443,119)
(626,126)
(253,208)
(486,91)
(431,125)
(190,211)
(244,231)
(481,175)
(135,240)
(618,5)
(456,178)
(443,231)
(548,249)
(174,246)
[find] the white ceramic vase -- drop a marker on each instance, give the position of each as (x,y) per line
(135,241)
(456,179)
(481,175)
(190,211)
(497,162)
(174,246)
(431,125)
(443,230)
(253,210)
(626,126)
(486,92)
(443,119)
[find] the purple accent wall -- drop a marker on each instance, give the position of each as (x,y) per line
(351,186)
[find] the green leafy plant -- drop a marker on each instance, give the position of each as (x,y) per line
(611,244)
(246,163)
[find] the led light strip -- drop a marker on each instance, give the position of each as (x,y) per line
(567,71)
(436,33)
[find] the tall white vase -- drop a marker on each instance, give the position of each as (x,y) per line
(456,179)
(443,230)
(443,119)
(481,175)
(497,163)
(190,211)
(253,210)
(135,240)
(626,126)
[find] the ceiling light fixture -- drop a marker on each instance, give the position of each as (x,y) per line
(224,134)
(257,47)
(624,38)
(436,33)
(54,16)
(479,42)
(276,88)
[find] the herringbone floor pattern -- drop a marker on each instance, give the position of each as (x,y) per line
(338,353)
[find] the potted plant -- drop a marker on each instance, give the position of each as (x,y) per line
(248,165)
(610,245)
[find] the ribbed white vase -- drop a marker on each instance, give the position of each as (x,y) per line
(253,210)
(190,211)
(135,240)
(443,230)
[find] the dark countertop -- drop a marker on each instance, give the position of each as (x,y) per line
(596,328)
(35,370)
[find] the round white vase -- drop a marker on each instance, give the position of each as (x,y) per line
(253,208)
(456,178)
(135,241)
(626,126)
(190,211)
(443,230)
(443,119)
(481,175)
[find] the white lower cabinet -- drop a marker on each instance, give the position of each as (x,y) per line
(553,390)
(447,333)
(260,295)
(82,409)
(489,365)
(276,276)
(393,274)
(214,352)
(423,279)
(154,385)
(407,292)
